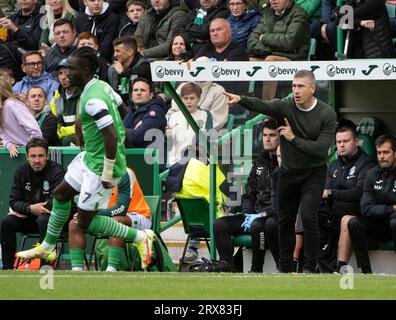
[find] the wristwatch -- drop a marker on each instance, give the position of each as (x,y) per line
(28,210)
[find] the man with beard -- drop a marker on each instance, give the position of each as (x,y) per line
(378,204)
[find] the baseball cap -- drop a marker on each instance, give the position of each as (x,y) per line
(62,64)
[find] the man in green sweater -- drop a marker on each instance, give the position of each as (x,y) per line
(307,132)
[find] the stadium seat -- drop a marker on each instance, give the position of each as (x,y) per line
(244,240)
(370,126)
(194,212)
(366,143)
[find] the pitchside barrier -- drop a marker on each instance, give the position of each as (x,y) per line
(140,160)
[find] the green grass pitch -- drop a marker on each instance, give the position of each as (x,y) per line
(181,286)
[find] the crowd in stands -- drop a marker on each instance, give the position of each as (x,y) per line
(36,99)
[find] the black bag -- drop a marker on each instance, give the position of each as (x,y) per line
(207,265)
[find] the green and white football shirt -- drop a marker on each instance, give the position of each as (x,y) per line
(96,97)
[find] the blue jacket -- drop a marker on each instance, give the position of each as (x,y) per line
(242,26)
(45,81)
(152,116)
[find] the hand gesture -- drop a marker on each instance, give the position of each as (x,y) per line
(232,98)
(286,131)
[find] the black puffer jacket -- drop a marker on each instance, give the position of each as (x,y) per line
(376,43)
(379,193)
(345,179)
(30,187)
(257,197)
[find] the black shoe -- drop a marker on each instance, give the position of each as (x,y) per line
(367,270)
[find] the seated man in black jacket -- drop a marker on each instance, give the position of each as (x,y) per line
(258,207)
(378,204)
(344,188)
(24,26)
(30,199)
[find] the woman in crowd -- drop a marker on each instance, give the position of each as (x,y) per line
(17,124)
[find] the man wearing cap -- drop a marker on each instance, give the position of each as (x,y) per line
(64,106)
(65,39)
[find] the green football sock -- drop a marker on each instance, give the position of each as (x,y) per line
(115,256)
(108,227)
(59,215)
(77,257)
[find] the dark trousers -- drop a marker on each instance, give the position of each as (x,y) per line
(264,235)
(12,224)
(299,189)
(361,228)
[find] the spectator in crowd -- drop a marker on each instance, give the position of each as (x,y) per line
(325,29)
(372,34)
(89,40)
(242,21)
(55,10)
(378,204)
(281,35)
(307,132)
(23,27)
(32,66)
(38,106)
(258,209)
(102,22)
(129,22)
(212,99)
(128,65)
(179,133)
(65,44)
(196,24)
(156,26)
(7,75)
(17,125)
(149,114)
(222,48)
(64,106)
(179,50)
(30,199)
(344,188)
(126,206)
